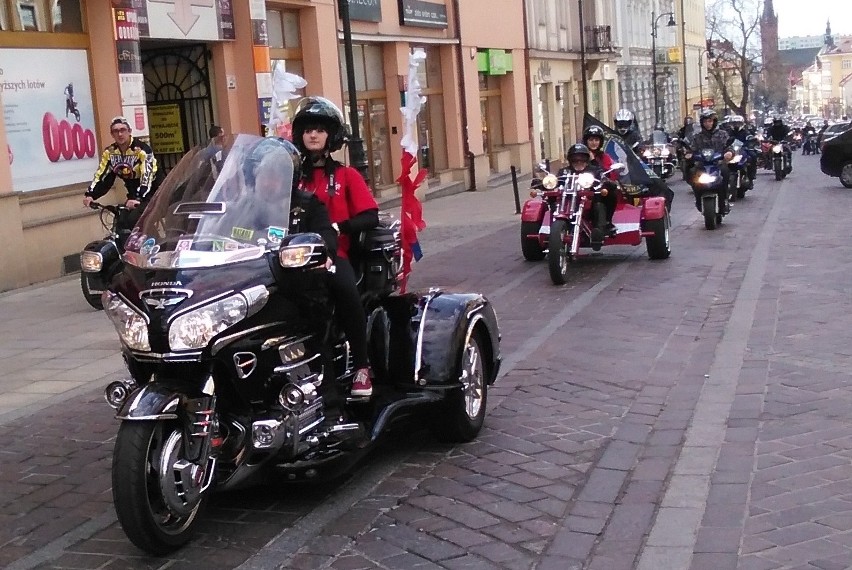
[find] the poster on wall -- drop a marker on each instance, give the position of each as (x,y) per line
(47,107)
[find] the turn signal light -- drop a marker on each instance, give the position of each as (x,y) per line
(604,192)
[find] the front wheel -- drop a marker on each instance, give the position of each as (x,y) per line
(846,175)
(709,211)
(156,492)
(659,245)
(531,247)
(464,409)
(93,299)
(557,255)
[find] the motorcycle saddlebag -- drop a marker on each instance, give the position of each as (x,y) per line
(381,261)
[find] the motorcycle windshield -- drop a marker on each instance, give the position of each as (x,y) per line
(217,206)
(659,137)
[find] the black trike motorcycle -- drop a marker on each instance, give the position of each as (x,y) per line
(238,372)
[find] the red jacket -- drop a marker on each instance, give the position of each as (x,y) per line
(351,196)
(604,162)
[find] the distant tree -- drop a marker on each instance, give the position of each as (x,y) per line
(733,28)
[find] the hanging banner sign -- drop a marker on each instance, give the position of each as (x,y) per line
(422,14)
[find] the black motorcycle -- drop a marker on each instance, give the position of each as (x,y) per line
(781,160)
(100,260)
(238,372)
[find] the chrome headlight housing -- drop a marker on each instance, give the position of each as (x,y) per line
(132,326)
(777,148)
(196,328)
(705,178)
(91,261)
(550,182)
(586,180)
(647,154)
(665,152)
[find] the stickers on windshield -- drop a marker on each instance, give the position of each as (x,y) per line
(242,233)
(183,245)
(147,246)
(276,234)
(231,246)
(218,245)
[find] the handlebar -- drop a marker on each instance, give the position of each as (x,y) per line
(113,209)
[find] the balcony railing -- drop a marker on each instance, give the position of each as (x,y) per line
(599,39)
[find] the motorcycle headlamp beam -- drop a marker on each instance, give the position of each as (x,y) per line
(91,261)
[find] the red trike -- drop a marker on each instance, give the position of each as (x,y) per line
(559,217)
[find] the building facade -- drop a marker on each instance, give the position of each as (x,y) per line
(691,17)
(174,73)
(637,20)
(557,32)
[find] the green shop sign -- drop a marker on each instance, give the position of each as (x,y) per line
(494,61)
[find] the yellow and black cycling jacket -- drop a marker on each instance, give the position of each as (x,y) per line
(136,166)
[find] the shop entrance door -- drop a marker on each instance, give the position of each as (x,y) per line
(177,90)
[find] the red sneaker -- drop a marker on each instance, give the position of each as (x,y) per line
(362,385)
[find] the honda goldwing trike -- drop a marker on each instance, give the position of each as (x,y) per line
(238,371)
(100,260)
(709,186)
(559,218)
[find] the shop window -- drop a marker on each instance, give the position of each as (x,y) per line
(41,16)
(368,71)
(283,29)
(431,122)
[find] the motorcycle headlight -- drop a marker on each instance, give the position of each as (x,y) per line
(647,154)
(777,148)
(195,329)
(656,152)
(91,261)
(586,180)
(705,178)
(665,152)
(550,182)
(132,327)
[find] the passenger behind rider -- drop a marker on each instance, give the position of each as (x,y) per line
(580,160)
(131,160)
(593,138)
(711,136)
(318,130)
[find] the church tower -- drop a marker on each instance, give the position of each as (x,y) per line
(829,39)
(773,80)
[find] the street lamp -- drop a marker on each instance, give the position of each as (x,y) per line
(670,23)
(583,58)
(701,54)
(357,155)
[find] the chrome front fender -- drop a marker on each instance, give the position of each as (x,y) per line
(152,401)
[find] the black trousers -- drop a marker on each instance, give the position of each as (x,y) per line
(349,311)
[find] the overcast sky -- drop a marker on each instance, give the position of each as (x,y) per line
(807,17)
